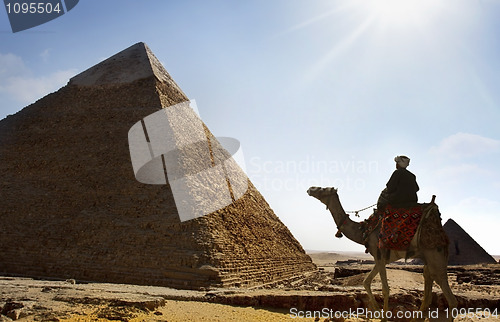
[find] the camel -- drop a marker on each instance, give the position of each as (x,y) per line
(435,260)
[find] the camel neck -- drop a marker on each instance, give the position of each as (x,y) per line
(348,227)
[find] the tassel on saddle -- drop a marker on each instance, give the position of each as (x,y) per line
(339,234)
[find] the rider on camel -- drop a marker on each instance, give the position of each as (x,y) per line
(401,189)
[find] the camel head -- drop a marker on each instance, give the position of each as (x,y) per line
(322,194)
(325,195)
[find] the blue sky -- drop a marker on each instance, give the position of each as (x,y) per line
(317,92)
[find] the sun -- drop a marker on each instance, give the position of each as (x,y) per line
(377,23)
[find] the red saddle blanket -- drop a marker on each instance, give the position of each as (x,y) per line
(399,226)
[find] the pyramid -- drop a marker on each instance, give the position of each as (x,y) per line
(463,249)
(71,206)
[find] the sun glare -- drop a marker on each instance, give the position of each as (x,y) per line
(400,13)
(379,21)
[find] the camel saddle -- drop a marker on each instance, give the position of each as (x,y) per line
(399,225)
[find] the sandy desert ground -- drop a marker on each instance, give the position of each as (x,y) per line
(324,296)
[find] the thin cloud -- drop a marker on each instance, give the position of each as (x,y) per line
(11,65)
(45,55)
(461,170)
(483,204)
(29,89)
(18,83)
(467,145)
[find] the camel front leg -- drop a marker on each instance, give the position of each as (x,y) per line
(385,287)
(367,283)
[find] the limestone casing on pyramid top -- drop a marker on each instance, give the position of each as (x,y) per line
(134,63)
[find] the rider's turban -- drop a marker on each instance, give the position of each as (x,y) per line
(402,161)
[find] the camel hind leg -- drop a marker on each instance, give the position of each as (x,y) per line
(437,264)
(442,281)
(428,281)
(426,302)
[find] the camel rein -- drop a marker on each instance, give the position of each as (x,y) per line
(356,212)
(344,221)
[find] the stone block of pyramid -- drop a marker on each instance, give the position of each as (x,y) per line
(72,205)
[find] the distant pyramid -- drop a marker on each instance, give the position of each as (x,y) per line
(463,249)
(71,207)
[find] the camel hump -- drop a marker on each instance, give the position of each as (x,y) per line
(431,233)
